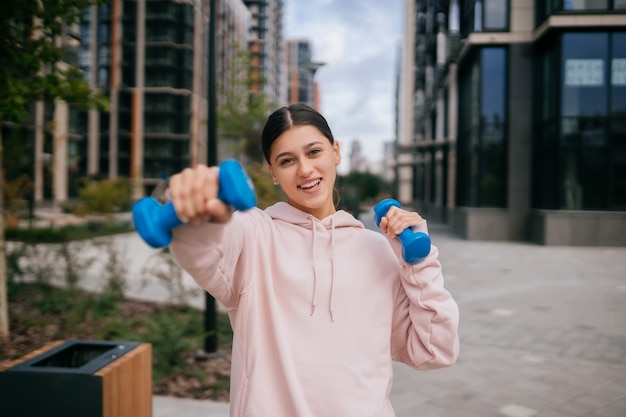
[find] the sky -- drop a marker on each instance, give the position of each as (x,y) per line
(358,40)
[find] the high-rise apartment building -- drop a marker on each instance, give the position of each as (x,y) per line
(512,118)
(301,84)
(266,47)
(151,58)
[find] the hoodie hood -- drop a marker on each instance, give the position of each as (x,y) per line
(340,219)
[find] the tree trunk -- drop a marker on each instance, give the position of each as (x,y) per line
(4,301)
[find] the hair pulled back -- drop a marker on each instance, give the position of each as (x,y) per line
(285,118)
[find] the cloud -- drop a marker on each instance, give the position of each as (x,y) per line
(358,42)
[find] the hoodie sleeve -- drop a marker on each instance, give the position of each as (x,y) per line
(426,317)
(209,253)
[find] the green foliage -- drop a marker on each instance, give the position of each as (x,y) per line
(29,62)
(15,192)
(242,111)
(54,302)
(103,196)
(67,233)
(18,151)
(114,271)
(357,188)
(171,335)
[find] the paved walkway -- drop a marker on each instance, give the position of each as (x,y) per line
(543,333)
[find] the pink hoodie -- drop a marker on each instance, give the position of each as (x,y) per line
(319,309)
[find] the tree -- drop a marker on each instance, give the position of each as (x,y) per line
(357,188)
(242,111)
(32,69)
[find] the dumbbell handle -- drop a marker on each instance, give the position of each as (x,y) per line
(415,245)
(154,221)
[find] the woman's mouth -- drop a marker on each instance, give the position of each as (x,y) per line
(310,185)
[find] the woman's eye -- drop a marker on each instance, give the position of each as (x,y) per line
(285,161)
(315,151)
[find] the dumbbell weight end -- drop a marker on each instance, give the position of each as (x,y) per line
(415,245)
(154,221)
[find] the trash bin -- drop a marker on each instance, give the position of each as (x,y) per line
(79,378)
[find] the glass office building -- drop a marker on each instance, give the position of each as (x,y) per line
(514,124)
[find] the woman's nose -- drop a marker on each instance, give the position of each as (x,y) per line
(304,168)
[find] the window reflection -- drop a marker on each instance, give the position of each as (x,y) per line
(482,122)
(583,71)
(585,4)
(547,7)
(618,75)
(485,16)
(496,14)
(585,167)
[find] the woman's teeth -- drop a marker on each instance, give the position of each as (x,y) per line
(310,184)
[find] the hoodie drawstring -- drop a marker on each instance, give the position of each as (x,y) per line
(314,299)
(332,271)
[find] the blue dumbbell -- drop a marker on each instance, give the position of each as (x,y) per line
(154,221)
(415,245)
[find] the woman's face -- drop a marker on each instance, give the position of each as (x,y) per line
(303,161)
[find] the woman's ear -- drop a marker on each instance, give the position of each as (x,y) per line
(269,167)
(337,151)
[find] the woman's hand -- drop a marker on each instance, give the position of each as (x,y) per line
(397,219)
(194,195)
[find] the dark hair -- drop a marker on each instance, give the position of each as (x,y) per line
(294,115)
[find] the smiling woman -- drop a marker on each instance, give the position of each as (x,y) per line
(319,305)
(302,158)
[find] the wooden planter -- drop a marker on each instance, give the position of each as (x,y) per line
(79,378)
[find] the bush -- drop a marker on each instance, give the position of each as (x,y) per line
(103,197)
(67,233)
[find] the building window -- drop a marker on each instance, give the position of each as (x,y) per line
(482,126)
(485,16)
(580,145)
(496,14)
(103,78)
(545,8)
(585,4)
(617,124)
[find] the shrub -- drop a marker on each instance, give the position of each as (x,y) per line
(103,196)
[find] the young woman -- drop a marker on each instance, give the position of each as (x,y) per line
(319,305)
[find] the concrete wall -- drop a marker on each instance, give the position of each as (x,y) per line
(490,224)
(579,228)
(544,227)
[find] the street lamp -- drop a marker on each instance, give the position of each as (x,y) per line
(210,309)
